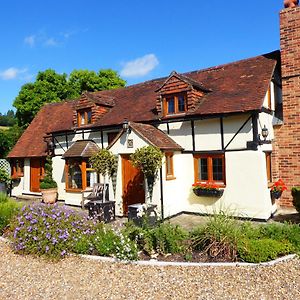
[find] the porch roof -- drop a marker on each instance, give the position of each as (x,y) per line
(83,149)
(154,136)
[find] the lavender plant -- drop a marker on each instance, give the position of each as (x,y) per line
(48,230)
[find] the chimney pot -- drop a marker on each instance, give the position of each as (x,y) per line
(290,3)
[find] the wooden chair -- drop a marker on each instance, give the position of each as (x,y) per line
(96,194)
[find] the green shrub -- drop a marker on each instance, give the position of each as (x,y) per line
(256,251)
(296,198)
(48,182)
(162,239)
(8,209)
(107,242)
(4,176)
(218,238)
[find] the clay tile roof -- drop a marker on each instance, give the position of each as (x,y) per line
(100,99)
(154,136)
(84,149)
(51,117)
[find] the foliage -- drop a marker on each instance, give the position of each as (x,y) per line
(278,186)
(218,238)
(107,242)
(48,182)
(8,139)
(8,119)
(85,80)
(104,162)
(8,208)
(162,239)
(4,176)
(48,230)
(256,251)
(50,87)
(148,159)
(296,198)
(205,186)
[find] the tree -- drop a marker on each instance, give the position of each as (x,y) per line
(8,119)
(8,139)
(50,86)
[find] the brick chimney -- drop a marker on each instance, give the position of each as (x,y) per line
(287,137)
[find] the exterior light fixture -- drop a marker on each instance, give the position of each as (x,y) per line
(126,126)
(265,132)
(50,146)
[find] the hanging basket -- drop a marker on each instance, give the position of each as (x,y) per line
(208,193)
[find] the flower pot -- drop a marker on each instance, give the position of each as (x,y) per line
(49,196)
(208,193)
(276,194)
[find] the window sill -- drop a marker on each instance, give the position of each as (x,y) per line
(73,190)
(170,178)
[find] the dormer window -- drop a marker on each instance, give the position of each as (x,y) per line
(174,104)
(84,117)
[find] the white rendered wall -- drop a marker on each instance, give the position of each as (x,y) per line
(245,195)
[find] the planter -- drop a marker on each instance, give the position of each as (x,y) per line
(276,195)
(208,193)
(49,196)
(103,211)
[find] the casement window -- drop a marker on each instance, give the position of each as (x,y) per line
(174,104)
(269,166)
(210,168)
(169,166)
(17,168)
(84,117)
(79,175)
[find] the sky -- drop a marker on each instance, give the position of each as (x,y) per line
(139,39)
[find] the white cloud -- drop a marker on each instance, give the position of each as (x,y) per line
(140,66)
(11,73)
(30,40)
(51,42)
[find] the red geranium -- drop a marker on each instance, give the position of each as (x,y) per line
(278,186)
(205,185)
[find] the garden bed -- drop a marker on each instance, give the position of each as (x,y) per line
(54,231)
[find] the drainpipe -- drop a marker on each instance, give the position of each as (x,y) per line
(161,193)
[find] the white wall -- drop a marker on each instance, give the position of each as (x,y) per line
(23,184)
(246,193)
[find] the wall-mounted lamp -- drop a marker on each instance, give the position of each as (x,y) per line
(264,134)
(126,126)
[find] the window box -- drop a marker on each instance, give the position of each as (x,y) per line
(208,193)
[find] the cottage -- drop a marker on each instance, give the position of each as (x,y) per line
(231,125)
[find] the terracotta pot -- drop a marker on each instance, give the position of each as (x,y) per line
(49,196)
(291,3)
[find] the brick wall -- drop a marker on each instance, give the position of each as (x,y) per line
(287,145)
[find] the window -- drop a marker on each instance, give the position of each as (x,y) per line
(79,175)
(174,104)
(169,166)
(84,117)
(17,168)
(210,168)
(269,166)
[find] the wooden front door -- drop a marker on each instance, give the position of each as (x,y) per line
(133,184)
(36,173)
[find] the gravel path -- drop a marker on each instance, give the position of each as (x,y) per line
(76,278)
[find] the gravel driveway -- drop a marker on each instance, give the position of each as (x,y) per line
(76,278)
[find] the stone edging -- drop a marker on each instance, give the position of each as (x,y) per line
(154,262)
